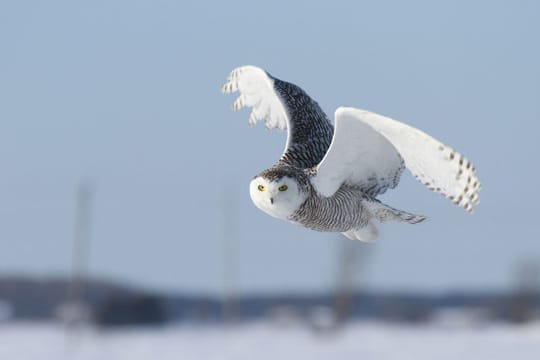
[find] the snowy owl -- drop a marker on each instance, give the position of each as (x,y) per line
(327,178)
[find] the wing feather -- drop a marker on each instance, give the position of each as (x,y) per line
(283,105)
(437,166)
(257,91)
(358,156)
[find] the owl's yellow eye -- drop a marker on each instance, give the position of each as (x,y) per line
(282,188)
(260,187)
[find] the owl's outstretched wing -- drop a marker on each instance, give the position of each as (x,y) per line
(283,105)
(370,151)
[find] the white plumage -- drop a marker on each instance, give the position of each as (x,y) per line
(371,146)
(257,91)
(340,172)
(358,155)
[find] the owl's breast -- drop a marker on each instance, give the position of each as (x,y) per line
(340,212)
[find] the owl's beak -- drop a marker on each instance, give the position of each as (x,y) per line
(272,201)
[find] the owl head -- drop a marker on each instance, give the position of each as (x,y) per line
(277,194)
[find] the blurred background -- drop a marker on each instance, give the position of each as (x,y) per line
(124,190)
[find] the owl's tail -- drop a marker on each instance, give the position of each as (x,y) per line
(383,212)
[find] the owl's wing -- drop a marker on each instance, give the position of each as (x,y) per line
(370,150)
(283,105)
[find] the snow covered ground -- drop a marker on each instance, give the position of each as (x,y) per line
(261,341)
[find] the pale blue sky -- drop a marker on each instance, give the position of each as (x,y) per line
(127,93)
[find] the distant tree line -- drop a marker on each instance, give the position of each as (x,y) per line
(114,305)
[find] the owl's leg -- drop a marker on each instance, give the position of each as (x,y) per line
(366,234)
